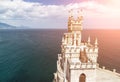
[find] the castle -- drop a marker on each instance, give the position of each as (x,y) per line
(78,60)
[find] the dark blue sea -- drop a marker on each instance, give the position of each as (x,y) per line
(30,55)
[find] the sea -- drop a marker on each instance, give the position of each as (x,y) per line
(30,55)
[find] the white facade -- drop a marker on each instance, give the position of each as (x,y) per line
(78,60)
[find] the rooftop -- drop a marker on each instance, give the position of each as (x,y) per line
(104,75)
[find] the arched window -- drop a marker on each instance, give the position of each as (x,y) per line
(82,78)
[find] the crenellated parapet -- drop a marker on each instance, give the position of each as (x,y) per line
(74,51)
(75,24)
(80,66)
(77,65)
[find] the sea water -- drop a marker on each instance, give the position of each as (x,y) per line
(30,55)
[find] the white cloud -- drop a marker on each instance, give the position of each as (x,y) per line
(12,10)
(21,9)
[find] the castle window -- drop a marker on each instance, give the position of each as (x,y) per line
(82,78)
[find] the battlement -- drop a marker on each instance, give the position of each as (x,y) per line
(77,49)
(79,65)
(71,51)
(75,24)
(82,66)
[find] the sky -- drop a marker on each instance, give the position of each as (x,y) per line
(97,14)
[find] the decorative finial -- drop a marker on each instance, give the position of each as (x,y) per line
(114,70)
(80,16)
(88,40)
(62,39)
(70,13)
(80,12)
(96,42)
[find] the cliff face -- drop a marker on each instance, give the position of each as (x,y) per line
(6,26)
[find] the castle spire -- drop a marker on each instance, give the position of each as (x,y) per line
(79,12)
(71,13)
(80,17)
(88,40)
(62,39)
(96,42)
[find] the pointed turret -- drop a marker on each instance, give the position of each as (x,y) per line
(88,40)
(96,42)
(70,16)
(80,17)
(63,40)
(70,13)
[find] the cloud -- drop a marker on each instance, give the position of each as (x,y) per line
(36,14)
(17,9)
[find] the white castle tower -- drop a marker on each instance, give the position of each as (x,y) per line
(78,60)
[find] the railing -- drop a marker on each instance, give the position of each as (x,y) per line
(83,65)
